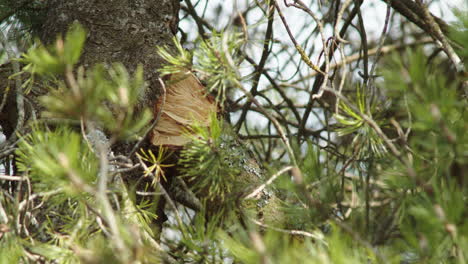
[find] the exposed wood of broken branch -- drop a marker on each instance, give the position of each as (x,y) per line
(186,104)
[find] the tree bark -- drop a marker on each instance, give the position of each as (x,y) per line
(126,31)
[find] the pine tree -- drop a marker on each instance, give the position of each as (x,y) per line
(127,144)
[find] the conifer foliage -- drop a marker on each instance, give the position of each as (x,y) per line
(259,148)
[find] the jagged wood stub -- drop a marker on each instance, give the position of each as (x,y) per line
(186,103)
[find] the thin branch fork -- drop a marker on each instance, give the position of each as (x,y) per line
(356,56)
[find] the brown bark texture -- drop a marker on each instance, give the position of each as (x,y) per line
(129,32)
(126,31)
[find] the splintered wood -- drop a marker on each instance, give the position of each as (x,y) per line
(186,103)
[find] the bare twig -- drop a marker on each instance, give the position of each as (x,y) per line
(381,40)
(319,237)
(261,65)
(384,50)
(266,113)
(101,195)
(298,47)
(23,203)
(268,182)
(338,20)
(11,177)
(430,21)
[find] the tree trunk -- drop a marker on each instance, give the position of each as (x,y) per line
(129,32)
(123,31)
(118,31)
